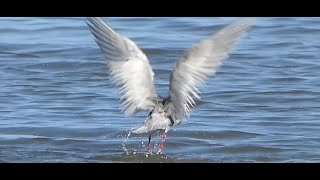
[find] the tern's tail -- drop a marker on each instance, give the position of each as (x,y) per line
(151,125)
(140,130)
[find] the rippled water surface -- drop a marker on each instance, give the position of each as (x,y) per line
(57,103)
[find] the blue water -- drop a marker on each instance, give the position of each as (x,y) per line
(57,103)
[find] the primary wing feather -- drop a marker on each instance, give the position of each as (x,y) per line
(197,65)
(128,65)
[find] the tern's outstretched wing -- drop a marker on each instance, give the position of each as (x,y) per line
(129,67)
(197,65)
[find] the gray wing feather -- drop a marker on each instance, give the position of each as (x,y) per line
(199,63)
(129,67)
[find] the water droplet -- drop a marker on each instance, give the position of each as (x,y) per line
(125,150)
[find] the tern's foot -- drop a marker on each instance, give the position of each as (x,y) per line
(149,150)
(148,153)
(161,145)
(160,150)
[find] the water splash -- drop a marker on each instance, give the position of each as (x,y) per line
(124,143)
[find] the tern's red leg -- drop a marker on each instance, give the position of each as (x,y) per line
(161,145)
